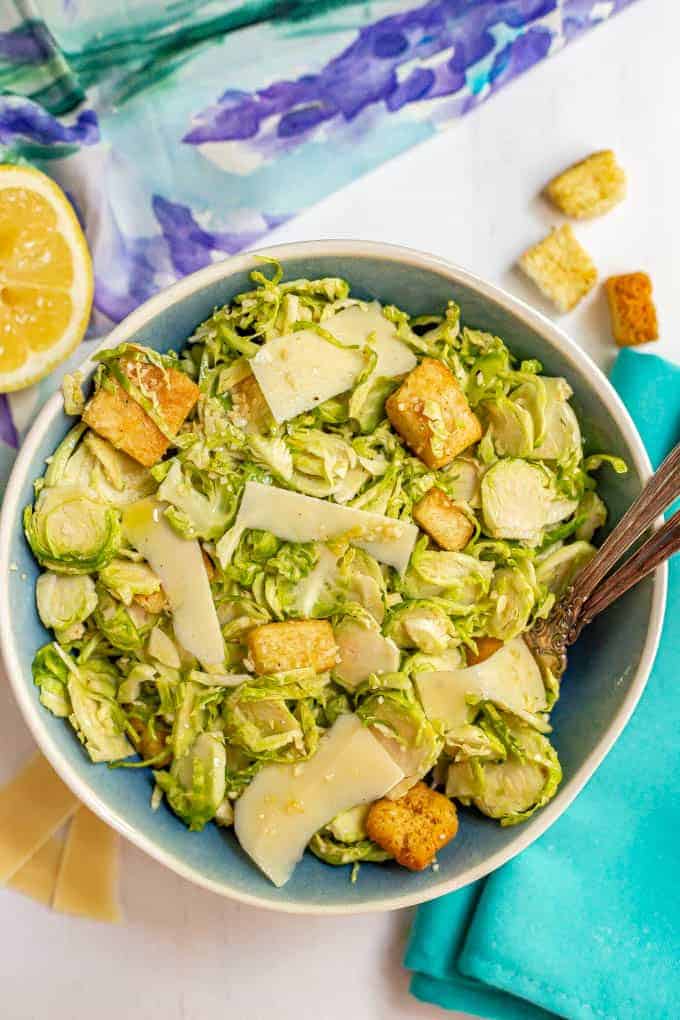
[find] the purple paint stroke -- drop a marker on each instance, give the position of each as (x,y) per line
(29,43)
(577,16)
(25,120)
(366,72)
(519,55)
(190,245)
(142,267)
(145,264)
(8,432)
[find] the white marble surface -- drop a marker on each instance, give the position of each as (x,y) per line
(470,195)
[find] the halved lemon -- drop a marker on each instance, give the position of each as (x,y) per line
(46,281)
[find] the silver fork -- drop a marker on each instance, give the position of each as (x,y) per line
(598,584)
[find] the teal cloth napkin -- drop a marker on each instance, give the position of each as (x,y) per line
(586,922)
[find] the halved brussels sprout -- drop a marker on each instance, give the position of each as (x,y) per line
(461,480)
(558,570)
(513,597)
(474,741)
(96,715)
(462,578)
(513,789)
(464,780)
(125,579)
(316,591)
(376,498)
(96,466)
(376,452)
(324,846)
(118,625)
(117,478)
(258,720)
(510,425)
(562,435)
(271,453)
(192,513)
(367,401)
(59,463)
(350,826)
(50,675)
(321,461)
(363,582)
(64,602)
(519,500)
(450,658)
(70,532)
(348,487)
(399,723)
(421,624)
(426,632)
(532,395)
(196,783)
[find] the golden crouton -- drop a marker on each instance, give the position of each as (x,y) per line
(414,828)
(431,414)
(560,267)
(632,309)
(486,646)
(296,644)
(116,415)
(589,188)
(250,409)
(446,523)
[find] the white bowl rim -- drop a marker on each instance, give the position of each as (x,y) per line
(33,713)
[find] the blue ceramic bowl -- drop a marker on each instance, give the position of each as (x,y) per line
(607,671)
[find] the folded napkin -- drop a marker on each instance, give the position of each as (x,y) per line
(586,922)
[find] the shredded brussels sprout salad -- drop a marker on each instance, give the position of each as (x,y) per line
(315,597)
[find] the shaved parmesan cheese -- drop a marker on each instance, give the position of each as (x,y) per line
(38,876)
(510,677)
(178,562)
(362,651)
(298,371)
(355,324)
(87,883)
(33,806)
(284,805)
(297,518)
